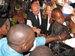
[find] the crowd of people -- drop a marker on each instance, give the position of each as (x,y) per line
(34,25)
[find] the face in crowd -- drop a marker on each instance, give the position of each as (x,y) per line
(4,29)
(35,8)
(20,37)
(58,15)
(48,11)
(19,13)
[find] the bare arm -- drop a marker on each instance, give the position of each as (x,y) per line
(49,38)
(68,17)
(70,24)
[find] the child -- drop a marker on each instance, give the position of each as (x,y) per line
(72,22)
(3,28)
(59,25)
(41,51)
(71,41)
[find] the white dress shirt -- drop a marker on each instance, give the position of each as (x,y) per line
(48,24)
(30,23)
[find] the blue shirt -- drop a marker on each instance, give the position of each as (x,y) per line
(6,50)
(40,41)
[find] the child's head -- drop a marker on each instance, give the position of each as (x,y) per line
(58,15)
(3,28)
(20,37)
(41,51)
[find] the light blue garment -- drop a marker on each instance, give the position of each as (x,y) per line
(6,50)
(40,41)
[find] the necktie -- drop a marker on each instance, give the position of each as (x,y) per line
(37,21)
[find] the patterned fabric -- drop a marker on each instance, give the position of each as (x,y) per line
(21,21)
(16,21)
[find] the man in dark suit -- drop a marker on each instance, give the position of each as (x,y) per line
(35,16)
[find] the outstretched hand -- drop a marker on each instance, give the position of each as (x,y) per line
(37,30)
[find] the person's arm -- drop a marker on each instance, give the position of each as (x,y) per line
(37,30)
(68,17)
(59,37)
(29,23)
(43,40)
(46,39)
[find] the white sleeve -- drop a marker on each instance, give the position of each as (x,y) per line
(29,23)
(38,41)
(34,46)
(70,42)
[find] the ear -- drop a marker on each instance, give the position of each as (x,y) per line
(24,47)
(0,31)
(53,18)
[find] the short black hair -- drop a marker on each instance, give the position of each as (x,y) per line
(1,22)
(41,51)
(19,34)
(54,11)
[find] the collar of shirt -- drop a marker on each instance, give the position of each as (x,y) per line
(48,24)
(39,15)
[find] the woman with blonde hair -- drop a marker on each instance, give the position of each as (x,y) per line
(47,10)
(47,19)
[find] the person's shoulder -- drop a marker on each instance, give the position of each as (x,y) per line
(25,15)
(30,13)
(44,19)
(3,41)
(14,18)
(55,24)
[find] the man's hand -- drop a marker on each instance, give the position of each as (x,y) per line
(37,30)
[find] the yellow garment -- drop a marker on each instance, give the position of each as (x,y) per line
(14,19)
